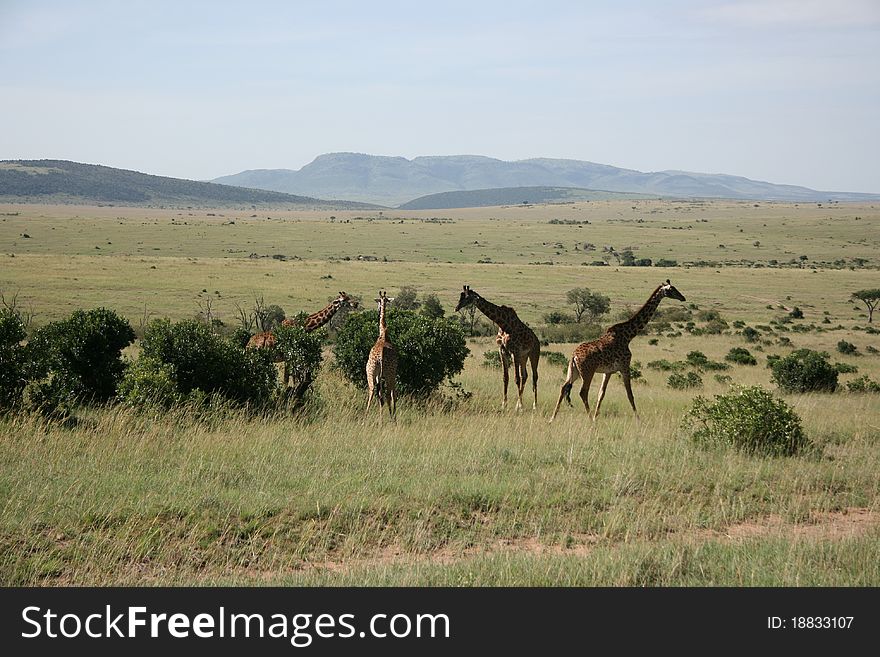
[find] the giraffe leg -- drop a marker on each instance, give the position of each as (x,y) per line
(370,387)
(565,391)
(624,374)
(505,365)
(585,389)
(392,402)
(518,372)
(533,358)
(605,378)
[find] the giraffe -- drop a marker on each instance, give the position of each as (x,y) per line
(515,340)
(266,339)
(610,353)
(382,364)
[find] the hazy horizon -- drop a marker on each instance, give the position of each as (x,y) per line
(782,91)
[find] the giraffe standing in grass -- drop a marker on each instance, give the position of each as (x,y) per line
(610,353)
(266,339)
(382,364)
(515,340)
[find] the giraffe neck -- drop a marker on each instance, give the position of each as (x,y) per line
(507,321)
(316,321)
(383,329)
(638,321)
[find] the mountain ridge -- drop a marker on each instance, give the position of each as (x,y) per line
(64,181)
(394,180)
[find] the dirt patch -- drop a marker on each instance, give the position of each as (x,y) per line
(829,525)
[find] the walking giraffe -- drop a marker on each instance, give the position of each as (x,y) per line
(514,337)
(382,364)
(266,339)
(610,353)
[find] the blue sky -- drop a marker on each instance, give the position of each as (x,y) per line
(781,90)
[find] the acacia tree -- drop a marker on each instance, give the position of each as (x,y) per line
(586,302)
(870,298)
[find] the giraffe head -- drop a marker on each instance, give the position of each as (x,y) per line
(382,301)
(667,289)
(345,301)
(467,298)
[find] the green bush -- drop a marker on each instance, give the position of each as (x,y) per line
(863,384)
(200,360)
(664,365)
(741,356)
(555,359)
(149,382)
(751,334)
(805,370)
(429,350)
(571,333)
(12,359)
(845,347)
(49,396)
(81,354)
(699,360)
(301,351)
(684,381)
(748,418)
(845,368)
(491,358)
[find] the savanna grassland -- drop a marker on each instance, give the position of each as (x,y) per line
(457,492)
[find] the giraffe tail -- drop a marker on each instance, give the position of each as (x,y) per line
(566,391)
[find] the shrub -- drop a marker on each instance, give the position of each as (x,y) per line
(863,384)
(12,362)
(556,359)
(741,356)
(635,370)
(748,418)
(81,354)
(750,334)
(805,370)
(202,361)
(572,333)
(664,365)
(431,306)
(682,381)
(429,351)
(845,347)
(796,313)
(845,368)
(240,336)
(49,396)
(556,317)
(665,262)
(301,351)
(699,360)
(149,382)
(491,358)
(723,378)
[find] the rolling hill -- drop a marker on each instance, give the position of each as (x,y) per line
(479,198)
(60,181)
(397,180)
